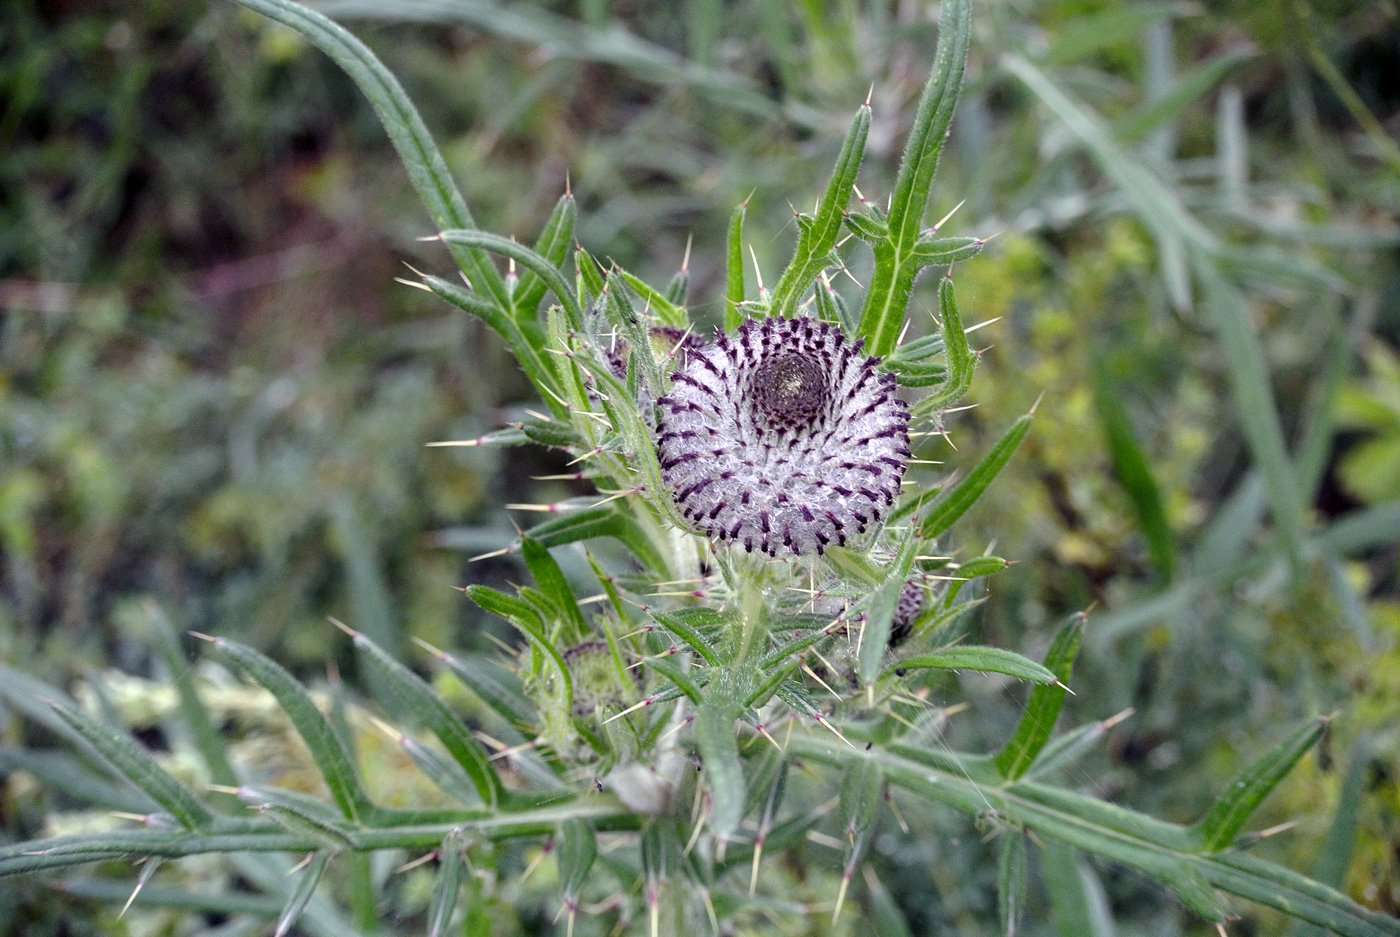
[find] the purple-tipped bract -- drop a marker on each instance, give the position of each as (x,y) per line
(783,436)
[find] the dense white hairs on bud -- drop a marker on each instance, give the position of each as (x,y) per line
(783,437)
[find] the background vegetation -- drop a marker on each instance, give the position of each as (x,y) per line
(214,395)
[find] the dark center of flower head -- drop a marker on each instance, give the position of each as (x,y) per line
(789,391)
(782,436)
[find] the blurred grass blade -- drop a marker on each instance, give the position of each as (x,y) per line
(1131,467)
(895,264)
(428,707)
(452,872)
(421,158)
(817,234)
(1043,707)
(1078,903)
(1011,881)
(327,749)
(981,658)
(1190,88)
(715,736)
(138,765)
(546,271)
(553,245)
(886,917)
(1250,382)
(178,672)
(953,503)
(1219,827)
(1340,843)
(307,881)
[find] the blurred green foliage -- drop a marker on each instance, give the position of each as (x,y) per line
(212,391)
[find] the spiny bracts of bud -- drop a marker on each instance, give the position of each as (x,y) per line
(783,436)
(665,340)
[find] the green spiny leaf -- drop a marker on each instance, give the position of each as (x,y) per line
(961,360)
(546,271)
(137,764)
(734,278)
(1011,881)
(496,686)
(452,871)
(554,586)
(980,658)
(327,748)
(714,733)
(815,240)
(553,245)
(895,264)
(427,706)
(1221,824)
(1043,707)
(953,503)
(301,895)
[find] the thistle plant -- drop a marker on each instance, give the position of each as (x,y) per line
(778,606)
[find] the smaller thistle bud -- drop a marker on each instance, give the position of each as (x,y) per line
(593,674)
(783,436)
(906,612)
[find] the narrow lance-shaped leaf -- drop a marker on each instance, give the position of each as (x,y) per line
(308,826)
(1043,707)
(1011,881)
(961,360)
(553,584)
(859,801)
(1219,826)
(665,310)
(714,733)
(428,707)
(526,257)
(880,611)
(326,747)
(452,872)
(427,170)
(301,895)
(817,235)
(134,761)
(977,657)
(496,686)
(528,350)
(588,273)
(687,633)
(734,277)
(623,317)
(895,264)
(952,504)
(576,850)
(553,245)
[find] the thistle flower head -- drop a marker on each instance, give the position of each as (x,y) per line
(783,436)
